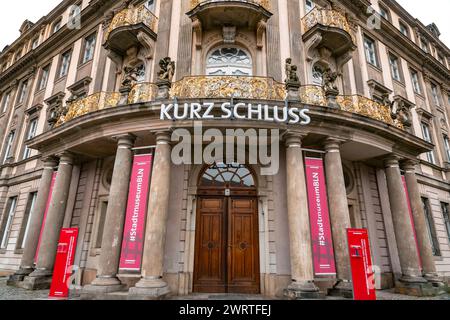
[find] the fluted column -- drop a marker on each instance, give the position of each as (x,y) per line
(409,260)
(420,224)
(108,265)
(302,272)
(41,276)
(339,213)
(151,285)
(35,223)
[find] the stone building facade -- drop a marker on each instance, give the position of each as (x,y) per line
(81,91)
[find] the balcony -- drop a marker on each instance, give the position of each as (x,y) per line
(330,29)
(314,95)
(128,25)
(141,92)
(258,88)
(239,13)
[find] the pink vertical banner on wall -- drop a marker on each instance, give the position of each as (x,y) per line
(323,252)
(47,206)
(133,238)
(411,218)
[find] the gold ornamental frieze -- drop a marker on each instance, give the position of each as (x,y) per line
(132,16)
(263,3)
(229,87)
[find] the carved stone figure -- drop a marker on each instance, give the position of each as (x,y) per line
(130,77)
(329,80)
(167,69)
(401,112)
(387,101)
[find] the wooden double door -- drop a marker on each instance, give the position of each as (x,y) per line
(227,245)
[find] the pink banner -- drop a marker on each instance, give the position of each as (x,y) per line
(322,242)
(49,199)
(412,219)
(133,238)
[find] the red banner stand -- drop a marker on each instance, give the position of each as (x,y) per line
(65,256)
(363,276)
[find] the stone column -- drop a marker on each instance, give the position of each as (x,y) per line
(108,265)
(35,224)
(339,215)
(40,278)
(302,272)
(152,286)
(426,254)
(409,260)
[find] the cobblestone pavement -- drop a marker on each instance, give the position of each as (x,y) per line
(10,293)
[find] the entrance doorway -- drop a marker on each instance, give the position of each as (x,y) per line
(227,233)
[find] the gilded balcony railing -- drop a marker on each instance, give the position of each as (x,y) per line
(142,92)
(229,86)
(328,18)
(313,95)
(263,3)
(132,16)
(94,102)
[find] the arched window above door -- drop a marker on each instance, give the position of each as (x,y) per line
(317,74)
(227,175)
(229,61)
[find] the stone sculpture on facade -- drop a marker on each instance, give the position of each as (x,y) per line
(165,77)
(292,80)
(330,87)
(401,111)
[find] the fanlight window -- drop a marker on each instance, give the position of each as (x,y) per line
(229,61)
(228,175)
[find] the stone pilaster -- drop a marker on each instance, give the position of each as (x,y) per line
(411,281)
(302,272)
(420,224)
(152,286)
(40,278)
(108,266)
(35,224)
(339,215)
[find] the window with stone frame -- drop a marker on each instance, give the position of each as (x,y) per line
(25,225)
(8,147)
(57,26)
(435,94)
(384,12)
(447,147)
(426,133)
(431,227)
(230,61)
(415,81)
(89,48)
(43,80)
(30,134)
(395,65)
(64,64)
(445,207)
(6,224)
(5,101)
(23,92)
(370,49)
(404,29)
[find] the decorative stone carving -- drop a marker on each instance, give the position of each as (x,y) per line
(229,34)
(400,110)
(167,69)
(198,31)
(260,30)
(79,89)
(330,87)
(292,80)
(56,109)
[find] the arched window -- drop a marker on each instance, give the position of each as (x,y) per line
(227,176)
(317,73)
(140,73)
(230,61)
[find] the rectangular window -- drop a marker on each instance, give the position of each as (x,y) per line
(57,26)
(384,12)
(424,44)
(404,29)
(434,93)
(7,222)
(5,101)
(446,213)
(9,144)
(447,147)
(89,48)
(369,46)
(65,63)
(430,227)
(23,92)
(32,128)
(35,43)
(427,137)
(26,220)
(44,77)
(415,81)
(395,67)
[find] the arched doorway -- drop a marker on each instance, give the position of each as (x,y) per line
(226,240)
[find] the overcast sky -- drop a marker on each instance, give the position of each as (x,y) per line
(14,12)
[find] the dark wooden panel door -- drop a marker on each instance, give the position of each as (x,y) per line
(210,246)
(227,246)
(243,246)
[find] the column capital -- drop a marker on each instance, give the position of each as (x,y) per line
(392,161)
(162,137)
(332,144)
(50,162)
(409,165)
(293,139)
(66,157)
(125,140)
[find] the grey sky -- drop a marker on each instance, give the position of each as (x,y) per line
(14,12)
